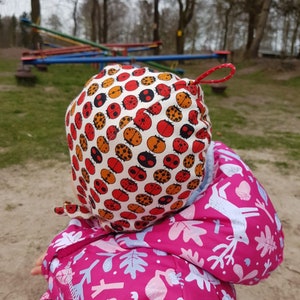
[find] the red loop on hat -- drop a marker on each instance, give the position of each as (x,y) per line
(200,78)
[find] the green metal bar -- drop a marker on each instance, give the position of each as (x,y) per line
(29,23)
(163,67)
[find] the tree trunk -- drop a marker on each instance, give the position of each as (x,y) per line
(294,36)
(226,25)
(36,39)
(105,23)
(156,26)
(185,16)
(13,31)
(251,29)
(94,21)
(180,40)
(74,15)
(252,51)
(285,36)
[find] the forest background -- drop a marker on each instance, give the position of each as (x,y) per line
(248,28)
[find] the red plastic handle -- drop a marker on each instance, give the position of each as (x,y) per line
(200,78)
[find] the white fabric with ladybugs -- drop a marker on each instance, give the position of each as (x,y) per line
(137,141)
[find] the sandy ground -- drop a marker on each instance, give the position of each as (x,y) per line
(28,193)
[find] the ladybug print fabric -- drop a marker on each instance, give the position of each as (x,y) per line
(129,129)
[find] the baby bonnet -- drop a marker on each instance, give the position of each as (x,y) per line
(137,140)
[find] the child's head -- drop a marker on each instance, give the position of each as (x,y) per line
(137,141)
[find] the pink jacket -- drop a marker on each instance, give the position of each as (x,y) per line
(230,235)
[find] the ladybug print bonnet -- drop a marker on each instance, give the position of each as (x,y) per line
(137,140)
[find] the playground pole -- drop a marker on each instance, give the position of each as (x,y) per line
(116,59)
(82,41)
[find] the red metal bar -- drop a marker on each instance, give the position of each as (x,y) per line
(133,45)
(57,51)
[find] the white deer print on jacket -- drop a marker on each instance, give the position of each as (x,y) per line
(237,217)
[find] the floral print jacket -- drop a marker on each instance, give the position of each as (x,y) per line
(229,234)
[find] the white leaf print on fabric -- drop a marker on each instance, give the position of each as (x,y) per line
(133,262)
(226,256)
(231,169)
(238,270)
(205,279)
(278,223)
(54,264)
(160,252)
(192,257)
(267,266)
(158,286)
(243,191)
(262,206)
(75,222)
(65,276)
(262,192)
(189,212)
(190,230)
(108,262)
(109,246)
(103,286)
(138,241)
(265,242)
(68,239)
(226,296)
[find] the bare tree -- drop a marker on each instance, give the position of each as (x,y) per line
(295,31)
(74,16)
(224,10)
(185,16)
(13,31)
(156,36)
(258,11)
(24,34)
(288,12)
(54,22)
(168,20)
(104,31)
(4,23)
(144,24)
(236,24)
(94,20)
(36,18)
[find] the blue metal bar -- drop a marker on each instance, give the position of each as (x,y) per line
(136,49)
(79,54)
(119,59)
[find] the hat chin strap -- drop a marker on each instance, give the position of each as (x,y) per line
(200,78)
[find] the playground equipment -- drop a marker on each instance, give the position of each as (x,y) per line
(109,59)
(24,76)
(111,49)
(91,53)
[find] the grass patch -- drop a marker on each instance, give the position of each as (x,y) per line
(288,140)
(255,112)
(283,166)
(32,118)
(11,207)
